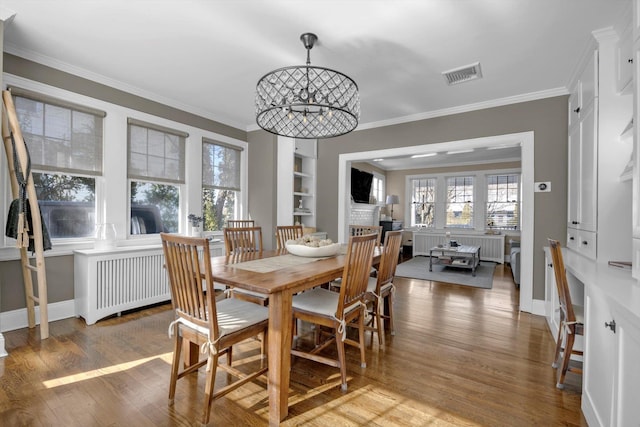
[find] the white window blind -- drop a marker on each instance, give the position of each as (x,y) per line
(61,137)
(220,166)
(221,183)
(155,153)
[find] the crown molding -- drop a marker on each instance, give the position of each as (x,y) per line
(116,84)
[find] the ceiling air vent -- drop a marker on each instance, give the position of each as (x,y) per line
(463,74)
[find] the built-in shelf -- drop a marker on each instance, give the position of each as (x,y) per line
(296,171)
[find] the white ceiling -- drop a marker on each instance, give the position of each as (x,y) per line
(206,56)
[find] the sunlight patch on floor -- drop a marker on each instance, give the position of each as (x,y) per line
(96,373)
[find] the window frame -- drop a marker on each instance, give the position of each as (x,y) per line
(94,171)
(414,204)
(178,181)
(240,193)
(112,200)
(381,191)
(518,201)
(471,225)
(480,195)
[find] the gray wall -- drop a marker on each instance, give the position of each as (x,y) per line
(547,118)
(59,272)
(263,192)
(59,269)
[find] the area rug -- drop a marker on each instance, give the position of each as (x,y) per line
(418,268)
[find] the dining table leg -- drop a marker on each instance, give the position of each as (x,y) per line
(279,354)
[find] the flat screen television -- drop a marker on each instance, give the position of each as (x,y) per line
(360,185)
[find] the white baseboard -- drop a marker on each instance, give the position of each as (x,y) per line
(3,352)
(538,307)
(17,319)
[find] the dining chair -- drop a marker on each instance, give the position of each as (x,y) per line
(238,241)
(214,325)
(359,230)
(380,288)
(287,232)
(571,318)
(336,311)
(242,239)
(239,223)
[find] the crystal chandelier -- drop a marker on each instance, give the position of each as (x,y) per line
(307,102)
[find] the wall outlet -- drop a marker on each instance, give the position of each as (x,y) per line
(542,187)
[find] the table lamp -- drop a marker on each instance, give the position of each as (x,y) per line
(392,200)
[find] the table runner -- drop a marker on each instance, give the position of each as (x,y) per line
(267,265)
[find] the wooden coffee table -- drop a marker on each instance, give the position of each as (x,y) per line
(463,256)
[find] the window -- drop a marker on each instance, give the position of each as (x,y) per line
(156,168)
(65,145)
(220,183)
(377,188)
(460,199)
(503,202)
(423,204)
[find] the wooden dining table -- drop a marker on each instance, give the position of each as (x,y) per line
(279,275)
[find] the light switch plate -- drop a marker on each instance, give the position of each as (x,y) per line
(542,187)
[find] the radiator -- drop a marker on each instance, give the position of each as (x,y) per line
(107,283)
(491,246)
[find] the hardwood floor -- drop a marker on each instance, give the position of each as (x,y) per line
(461,356)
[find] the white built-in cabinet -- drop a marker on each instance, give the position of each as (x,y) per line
(636,141)
(611,384)
(582,203)
(296,176)
(611,376)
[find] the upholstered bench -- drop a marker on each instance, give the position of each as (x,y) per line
(514,261)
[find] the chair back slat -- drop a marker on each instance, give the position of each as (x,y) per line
(357,268)
(564,296)
(187,260)
(389,260)
(242,239)
(287,232)
(359,230)
(240,223)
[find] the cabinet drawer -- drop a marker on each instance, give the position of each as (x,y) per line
(587,242)
(572,239)
(582,242)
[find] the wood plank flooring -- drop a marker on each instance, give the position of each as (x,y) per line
(461,356)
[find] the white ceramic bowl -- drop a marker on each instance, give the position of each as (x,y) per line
(308,251)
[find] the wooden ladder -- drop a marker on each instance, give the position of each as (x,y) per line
(10,125)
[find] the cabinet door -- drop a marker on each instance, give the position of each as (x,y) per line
(624,62)
(636,160)
(628,374)
(600,342)
(574,104)
(588,169)
(573,189)
(636,144)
